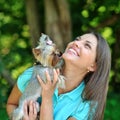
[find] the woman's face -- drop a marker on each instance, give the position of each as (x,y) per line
(82,52)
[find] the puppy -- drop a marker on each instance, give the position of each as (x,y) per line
(47,54)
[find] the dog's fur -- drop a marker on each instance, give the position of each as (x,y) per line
(49,57)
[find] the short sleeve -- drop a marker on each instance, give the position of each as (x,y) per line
(24,78)
(82,112)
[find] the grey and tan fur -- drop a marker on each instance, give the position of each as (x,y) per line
(49,57)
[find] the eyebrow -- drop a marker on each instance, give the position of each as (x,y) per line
(78,38)
(90,42)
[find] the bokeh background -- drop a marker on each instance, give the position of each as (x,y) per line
(22,22)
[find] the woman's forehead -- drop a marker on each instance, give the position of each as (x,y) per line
(88,37)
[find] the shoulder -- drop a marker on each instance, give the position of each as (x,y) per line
(82,111)
(24,78)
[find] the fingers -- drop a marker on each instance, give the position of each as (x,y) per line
(32,109)
(32,113)
(35,108)
(49,86)
(40,80)
(25,108)
(49,81)
(58,71)
(55,76)
(48,77)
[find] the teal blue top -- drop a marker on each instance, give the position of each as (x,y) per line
(65,105)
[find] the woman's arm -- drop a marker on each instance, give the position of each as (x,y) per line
(13,100)
(46,109)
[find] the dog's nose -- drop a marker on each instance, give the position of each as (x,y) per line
(59,54)
(49,42)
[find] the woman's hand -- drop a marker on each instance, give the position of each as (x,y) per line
(50,85)
(46,109)
(30,110)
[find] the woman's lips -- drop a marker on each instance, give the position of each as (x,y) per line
(73,51)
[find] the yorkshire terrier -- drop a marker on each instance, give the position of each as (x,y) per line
(49,58)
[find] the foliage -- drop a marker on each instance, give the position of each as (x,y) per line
(112,107)
(15,43)
(101,16)
(14,40)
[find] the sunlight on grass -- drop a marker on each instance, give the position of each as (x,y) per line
(21,43)
(25,32)
(17,71)
(94,22)
(5,18)
(102,9)
(107,34)
(85,13)
(84,27)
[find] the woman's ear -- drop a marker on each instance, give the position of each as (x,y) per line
(92,68)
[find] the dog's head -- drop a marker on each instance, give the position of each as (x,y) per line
(46,52)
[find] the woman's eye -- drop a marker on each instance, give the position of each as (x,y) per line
(76,39)
(87,46)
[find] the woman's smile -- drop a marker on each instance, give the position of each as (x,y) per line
(72,51)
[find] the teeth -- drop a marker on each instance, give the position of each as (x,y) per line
(73,51)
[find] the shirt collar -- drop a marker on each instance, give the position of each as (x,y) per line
(75,93)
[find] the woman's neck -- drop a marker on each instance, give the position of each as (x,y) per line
(73,78)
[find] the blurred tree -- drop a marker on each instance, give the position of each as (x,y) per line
(115,82)
(33,19)
(58,21)
(6,74)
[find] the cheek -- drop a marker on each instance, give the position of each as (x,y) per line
(86,58)
(90,59)
(89,55)
(65,56)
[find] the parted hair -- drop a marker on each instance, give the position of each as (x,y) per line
(96,83)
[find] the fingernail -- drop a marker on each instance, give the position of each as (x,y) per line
(37,76)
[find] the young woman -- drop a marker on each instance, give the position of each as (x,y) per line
(86,68)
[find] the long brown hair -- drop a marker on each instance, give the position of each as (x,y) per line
(97,82)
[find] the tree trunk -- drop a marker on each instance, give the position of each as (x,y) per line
(6,74)
(33,20)
(58,22)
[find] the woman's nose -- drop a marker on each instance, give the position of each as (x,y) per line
(76,44)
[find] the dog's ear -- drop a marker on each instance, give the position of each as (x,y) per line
(36,52)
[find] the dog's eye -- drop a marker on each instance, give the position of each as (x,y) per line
(53,53)
(60,54)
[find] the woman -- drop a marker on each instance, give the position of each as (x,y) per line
(87,66)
